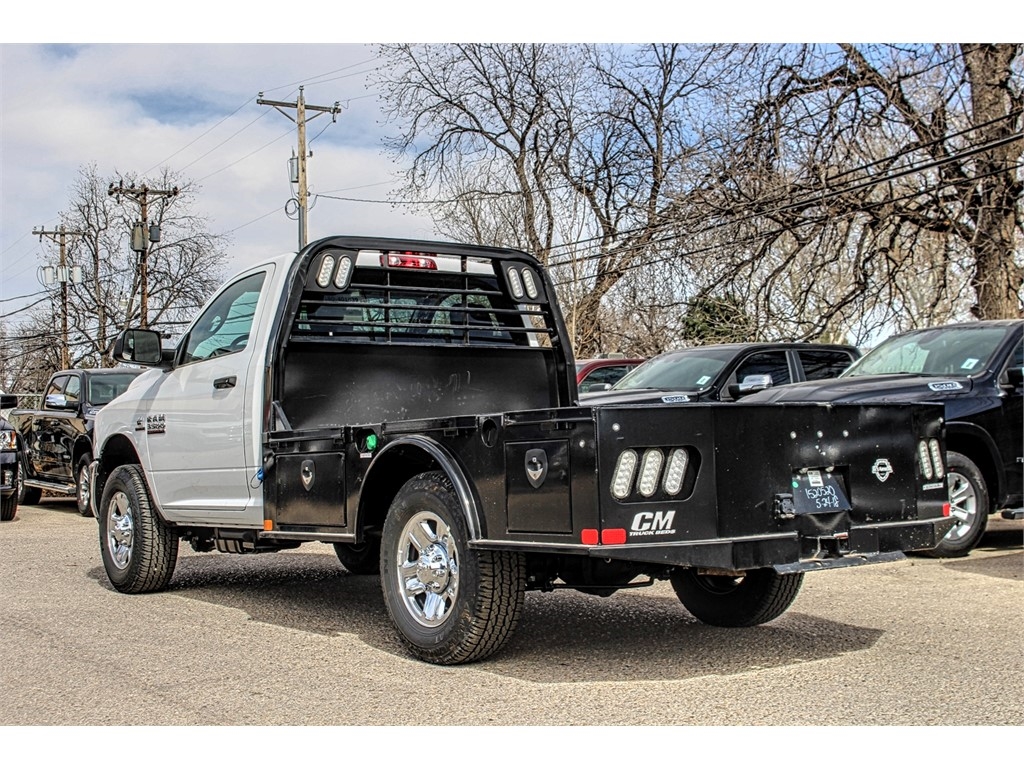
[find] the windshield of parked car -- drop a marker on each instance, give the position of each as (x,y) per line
(689,369)
(952,351)
(103,389)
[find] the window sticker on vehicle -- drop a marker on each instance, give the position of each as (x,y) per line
(969,363)
(703,380)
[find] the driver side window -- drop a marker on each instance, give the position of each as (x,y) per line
(225,325)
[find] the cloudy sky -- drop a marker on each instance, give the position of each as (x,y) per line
(192,108)
(137,107)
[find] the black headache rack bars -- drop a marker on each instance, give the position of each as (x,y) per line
(402,296)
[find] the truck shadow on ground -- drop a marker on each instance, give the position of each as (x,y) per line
(563,636)
(1008,541)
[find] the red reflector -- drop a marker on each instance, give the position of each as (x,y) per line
(588,536)
(407,260)
(945,510)
(613,536)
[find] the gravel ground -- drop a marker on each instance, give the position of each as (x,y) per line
(293,639)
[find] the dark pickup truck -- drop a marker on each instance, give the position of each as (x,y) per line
(55,440)
(724,372)
(974,370)
(8,462)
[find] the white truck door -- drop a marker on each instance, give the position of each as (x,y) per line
(201,457)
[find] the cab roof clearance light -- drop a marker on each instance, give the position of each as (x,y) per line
(530,283)
(622,479)
(344,274)
(323,277)
(407,260)
(515,283)
(650,471)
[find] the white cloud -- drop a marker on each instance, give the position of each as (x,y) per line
(130,108)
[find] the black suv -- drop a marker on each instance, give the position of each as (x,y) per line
(725,372)
(975,369)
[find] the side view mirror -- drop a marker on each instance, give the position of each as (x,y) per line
(139,346)
(750,384)
(60,402)
(8,401)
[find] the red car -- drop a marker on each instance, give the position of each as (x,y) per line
(599,373)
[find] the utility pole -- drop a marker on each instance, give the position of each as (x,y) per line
(62,275)
(140,240)
(301,107)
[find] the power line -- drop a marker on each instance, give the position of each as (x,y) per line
(783,204)
(759,236)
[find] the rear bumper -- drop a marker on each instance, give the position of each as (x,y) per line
(787,552)
(791,552)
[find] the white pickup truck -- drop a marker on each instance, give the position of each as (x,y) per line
(415,405)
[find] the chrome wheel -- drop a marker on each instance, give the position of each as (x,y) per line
(120,530)
(428,569)
(963,505)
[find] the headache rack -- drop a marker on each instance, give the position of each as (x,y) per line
(386,304)
(375,339)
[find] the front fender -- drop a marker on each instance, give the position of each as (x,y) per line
(117,450)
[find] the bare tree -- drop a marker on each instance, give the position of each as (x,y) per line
(885,179)
(184,268)
(570,152)
(184,265)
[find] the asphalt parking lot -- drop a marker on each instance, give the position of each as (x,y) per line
(293,639)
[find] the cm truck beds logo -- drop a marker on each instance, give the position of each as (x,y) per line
(653,523)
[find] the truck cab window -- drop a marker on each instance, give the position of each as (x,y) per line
(73,390)
(225,325)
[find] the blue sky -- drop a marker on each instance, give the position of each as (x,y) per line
(192,108)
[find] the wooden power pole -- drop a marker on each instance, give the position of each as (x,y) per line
(301,107)
(62,275)
(140,237)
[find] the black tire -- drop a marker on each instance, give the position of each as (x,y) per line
(449,603)
(736,601)
(82,488)
(139,549)
(8,506)
(969,503)
(26,495)
(360,559)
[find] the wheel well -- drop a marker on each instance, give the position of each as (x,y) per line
(389,473)
(118,451)
(406,458)
(977,451)
(82,446)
